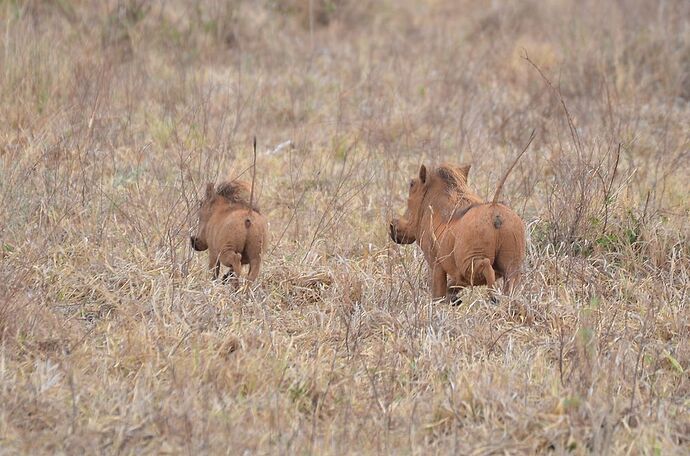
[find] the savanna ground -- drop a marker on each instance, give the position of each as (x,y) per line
(113,115)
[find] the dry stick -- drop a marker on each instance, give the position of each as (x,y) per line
(607,193)
(560,350)
(573,130)
(251,193)
(491,347)
(99,88)
(505,176)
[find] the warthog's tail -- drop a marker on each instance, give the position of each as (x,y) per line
(505,176)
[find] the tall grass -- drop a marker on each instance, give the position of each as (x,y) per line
(113,115)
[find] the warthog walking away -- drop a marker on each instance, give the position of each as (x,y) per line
(231,229)
(465,241)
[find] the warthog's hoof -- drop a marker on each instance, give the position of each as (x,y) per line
(455,300)
(230,276)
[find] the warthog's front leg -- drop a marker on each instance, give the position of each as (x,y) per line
(439,282)
(214,264)
(454,294)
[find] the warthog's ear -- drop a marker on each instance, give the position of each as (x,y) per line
(210,190)
(465,170)
(422,174)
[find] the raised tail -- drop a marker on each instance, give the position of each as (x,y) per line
(505,176)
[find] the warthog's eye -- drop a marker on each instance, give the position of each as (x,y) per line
(411,183)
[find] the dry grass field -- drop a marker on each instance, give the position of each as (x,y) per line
(114,115)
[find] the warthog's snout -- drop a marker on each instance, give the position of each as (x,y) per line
(392,230)
(398,233)
(197,244)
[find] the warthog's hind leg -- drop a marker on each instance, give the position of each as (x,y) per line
(234,261)
(511,279)
(254,267)
(484,268)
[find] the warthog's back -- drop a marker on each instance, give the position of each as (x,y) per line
(492,231)
(236,228)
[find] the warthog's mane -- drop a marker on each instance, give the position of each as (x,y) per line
(452,178)
(460,212)
(237,192)
(456,194)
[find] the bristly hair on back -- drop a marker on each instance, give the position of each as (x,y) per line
(454,182)
(452,177)
(236,191)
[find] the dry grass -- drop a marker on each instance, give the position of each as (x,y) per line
(114,114)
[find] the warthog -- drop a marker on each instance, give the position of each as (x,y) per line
(232,229)
(465,241)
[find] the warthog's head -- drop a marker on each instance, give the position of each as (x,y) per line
(439,186)
(199,242)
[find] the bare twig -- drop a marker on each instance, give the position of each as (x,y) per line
(607,192)
(251,193)
(505,176)
(573,131)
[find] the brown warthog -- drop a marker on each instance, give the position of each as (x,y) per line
(465,241)
(232,229)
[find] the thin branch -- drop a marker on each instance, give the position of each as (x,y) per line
(505,176)
(251,193)
(573,131)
